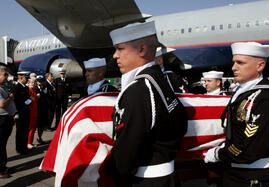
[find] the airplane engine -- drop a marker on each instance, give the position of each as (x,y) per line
(72,68)
(47,62)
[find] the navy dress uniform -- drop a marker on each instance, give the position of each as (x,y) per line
(95,73)
(246,149)
(174,80)
(63,90)
(149,123)
(22,101)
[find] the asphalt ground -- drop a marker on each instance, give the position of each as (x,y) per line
(24,168)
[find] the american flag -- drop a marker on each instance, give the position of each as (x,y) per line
(83,138)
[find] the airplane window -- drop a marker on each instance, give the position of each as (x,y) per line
(205,28)
(229,26)
(197,29)
(189,29)
(213,27)
(238,25)
(168,32)
(182,31)
(247,24)
(257,23)
(175,30)
(266,22)
(221,27)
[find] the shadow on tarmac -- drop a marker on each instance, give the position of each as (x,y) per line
(28,180)
(28,162)
(35,151)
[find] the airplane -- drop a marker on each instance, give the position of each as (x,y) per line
(46,53)
(201,38)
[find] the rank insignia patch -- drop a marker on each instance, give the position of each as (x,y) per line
(234,150)
(251,128)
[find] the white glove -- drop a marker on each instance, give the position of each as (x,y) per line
(28,102)
(16,116)
(222,145)
(212,155)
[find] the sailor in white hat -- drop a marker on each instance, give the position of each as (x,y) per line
(213,82)
(161,58)
(141,116)
(246,147)
(63,92)
(160,52)
(95,70)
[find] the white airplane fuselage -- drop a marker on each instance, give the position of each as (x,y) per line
(202,38)
(215,26)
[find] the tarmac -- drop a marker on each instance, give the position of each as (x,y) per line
(24,168)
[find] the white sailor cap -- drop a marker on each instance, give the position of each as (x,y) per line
(26,73)
(132,32)
(94,63)
(213,75)
(163,50)
(250,49)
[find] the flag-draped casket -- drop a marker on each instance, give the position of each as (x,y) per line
(84,136)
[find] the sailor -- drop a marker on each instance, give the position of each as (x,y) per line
(149,120)
(174,80)
(95,76)
(63,90)
(213,82)
(246,149)
(22,101)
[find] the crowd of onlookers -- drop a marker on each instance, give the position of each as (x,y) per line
(32,102)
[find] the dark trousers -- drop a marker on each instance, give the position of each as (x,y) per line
(61,106)
(22,129)
(240,177)
(51,112)
(6,125)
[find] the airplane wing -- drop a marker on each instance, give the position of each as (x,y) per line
(83,23)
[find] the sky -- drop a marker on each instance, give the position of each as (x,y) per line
(18,24)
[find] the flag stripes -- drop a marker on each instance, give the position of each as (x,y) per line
(84,136)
